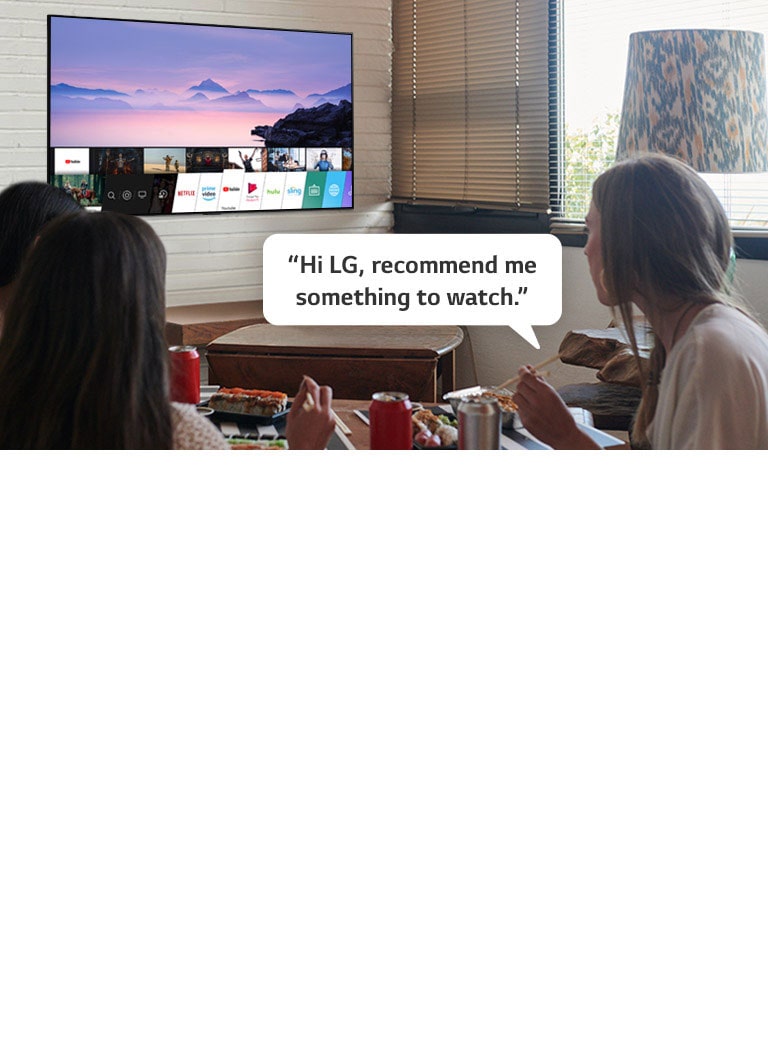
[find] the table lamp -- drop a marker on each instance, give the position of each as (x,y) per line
(699,95)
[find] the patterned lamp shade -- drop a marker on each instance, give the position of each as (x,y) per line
(697,94)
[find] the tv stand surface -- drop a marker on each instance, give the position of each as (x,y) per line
(355,361)
(199,324)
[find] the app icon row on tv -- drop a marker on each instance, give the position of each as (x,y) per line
(215,191)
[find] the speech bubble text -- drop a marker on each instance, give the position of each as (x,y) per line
(414,279)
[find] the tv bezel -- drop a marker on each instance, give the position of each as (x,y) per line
(208,25)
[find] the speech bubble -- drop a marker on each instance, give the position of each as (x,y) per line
(414,278)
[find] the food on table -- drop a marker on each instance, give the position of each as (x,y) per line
(248,402)
(425,439)
(427,426)
(506,403)
(267,443)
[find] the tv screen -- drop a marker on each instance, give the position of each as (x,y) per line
(160,118)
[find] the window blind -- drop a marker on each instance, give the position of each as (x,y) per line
(471,103)
(595,44)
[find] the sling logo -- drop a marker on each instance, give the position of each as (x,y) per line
(293,190)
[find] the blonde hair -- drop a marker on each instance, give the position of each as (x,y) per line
(665,236)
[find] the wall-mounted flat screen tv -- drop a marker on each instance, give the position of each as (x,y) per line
(160,118)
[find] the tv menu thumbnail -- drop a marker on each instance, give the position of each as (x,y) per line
(123,160)
(202,159)
(86,189)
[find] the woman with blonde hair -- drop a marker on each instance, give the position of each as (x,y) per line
(658,239)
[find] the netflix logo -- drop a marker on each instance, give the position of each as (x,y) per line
(185,197)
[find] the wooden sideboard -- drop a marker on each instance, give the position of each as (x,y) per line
(355,360)
(197,325)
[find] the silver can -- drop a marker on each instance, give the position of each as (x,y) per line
(479,424)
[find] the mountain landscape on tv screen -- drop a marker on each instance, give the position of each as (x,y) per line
(71,98)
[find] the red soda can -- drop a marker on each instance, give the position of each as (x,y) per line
(390,416)
(185,374)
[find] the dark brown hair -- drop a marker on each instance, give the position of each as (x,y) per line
(25,208)
(665,236)
(83,357)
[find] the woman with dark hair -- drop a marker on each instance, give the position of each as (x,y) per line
(658,238)
(83,357)
(25,208)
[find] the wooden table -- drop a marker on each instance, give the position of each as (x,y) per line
(360,436)
(355,360)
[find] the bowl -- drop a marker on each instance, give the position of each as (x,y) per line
(453,398)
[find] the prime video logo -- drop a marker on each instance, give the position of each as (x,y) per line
(208,192)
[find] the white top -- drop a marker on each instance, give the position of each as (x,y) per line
(714,387)
(191,430)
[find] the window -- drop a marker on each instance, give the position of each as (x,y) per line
(471,103)
(515,104)
(595,44)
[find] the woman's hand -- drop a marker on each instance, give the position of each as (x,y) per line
(543,413)
(310,421)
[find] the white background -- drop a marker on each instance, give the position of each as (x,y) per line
(411,750)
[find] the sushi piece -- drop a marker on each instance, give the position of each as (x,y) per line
(248,402)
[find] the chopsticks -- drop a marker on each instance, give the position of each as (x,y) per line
(309,404)
(516,378)
(339,424)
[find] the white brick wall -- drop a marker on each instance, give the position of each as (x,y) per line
(214,258)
